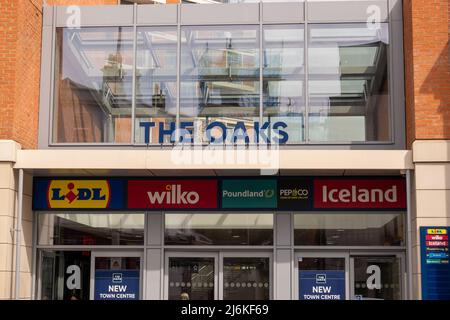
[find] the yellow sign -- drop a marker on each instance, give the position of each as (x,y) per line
(436,231)
(66,194)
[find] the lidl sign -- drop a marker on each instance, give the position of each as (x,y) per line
(279,193)
(78,194)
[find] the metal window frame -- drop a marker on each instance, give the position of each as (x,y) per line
(322,254)
(118,254)
(395,64)
(164,250)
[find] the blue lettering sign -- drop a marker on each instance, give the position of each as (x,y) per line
(166,132)
(147,126)
(117,285)
(321,285)
(209,129)
(240,132)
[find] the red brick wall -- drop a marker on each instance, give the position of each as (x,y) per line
(20,51)
(427,68)
(20,42)
(80,2)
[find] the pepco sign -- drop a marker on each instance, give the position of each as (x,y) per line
(360,193)
(172,194)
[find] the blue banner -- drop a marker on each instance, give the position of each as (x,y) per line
(78,194)
(321,285)
(434,249)
(117,285)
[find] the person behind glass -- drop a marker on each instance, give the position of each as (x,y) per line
(73,296)
(184,296)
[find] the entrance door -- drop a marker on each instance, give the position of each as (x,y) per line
(322,276)
(214,275)
(376,277)
(245,276)
(116,275)
(191,276)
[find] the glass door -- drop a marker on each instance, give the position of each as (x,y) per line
(376,277)
(191,276)
(322,276)
(245,276)
(116,275)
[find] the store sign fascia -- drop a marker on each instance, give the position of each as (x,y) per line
(247,194)
(239,133)
(78,194)
(172,194)
(435,266)
(225,194)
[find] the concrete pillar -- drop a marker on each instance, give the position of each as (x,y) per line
(8,213)
(431,195)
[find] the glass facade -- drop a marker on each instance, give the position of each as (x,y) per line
(215,255)
(236,84)
(349,229)
(348,83)
(156,83)
(219,229)
(93,85)
(90,229)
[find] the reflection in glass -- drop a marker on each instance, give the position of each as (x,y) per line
(219,229)
(191,278)
(156,76)
(219,79)
(389,285)
(348,83)
(246,279)
(349,229)
(56,269)
(93,85)
(283,78)
(90,229)
(321,264)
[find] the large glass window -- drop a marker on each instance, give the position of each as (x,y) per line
(219,82)
(344,98)
(349,229)
(156,89)
(219,229)
(90,229)
(93,85)
(348,83)
(283,72)
(65,275)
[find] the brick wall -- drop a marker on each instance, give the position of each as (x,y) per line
(427,68)
(8,36)
(20,42)
(80,2)
(20,51)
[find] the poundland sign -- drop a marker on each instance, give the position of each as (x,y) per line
(249,194)
(282,194)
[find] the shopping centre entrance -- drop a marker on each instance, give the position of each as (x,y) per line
(344,276)
(307,238)
(218,275)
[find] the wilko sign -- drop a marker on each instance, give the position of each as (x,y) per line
(172,194)
(359,193)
